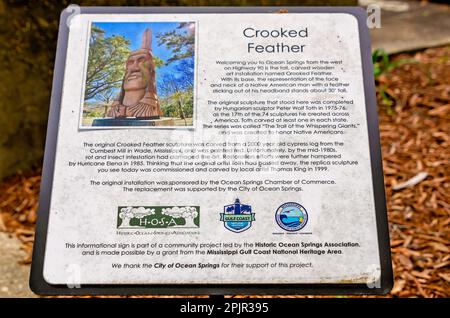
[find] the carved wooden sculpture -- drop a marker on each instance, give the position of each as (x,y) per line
(138,96)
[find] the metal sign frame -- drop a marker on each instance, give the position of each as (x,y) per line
(37,281)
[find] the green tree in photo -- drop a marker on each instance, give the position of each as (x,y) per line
(178,90)
(107,56)
(182,44)
(107,97)
(178,96)
(158,62)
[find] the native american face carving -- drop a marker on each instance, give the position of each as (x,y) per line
(138,96)
(137,74)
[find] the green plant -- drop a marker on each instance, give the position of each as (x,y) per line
(386,100)
(383,64)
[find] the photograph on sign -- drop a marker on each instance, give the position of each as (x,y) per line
(133,82)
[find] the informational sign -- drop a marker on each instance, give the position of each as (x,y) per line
(212,151)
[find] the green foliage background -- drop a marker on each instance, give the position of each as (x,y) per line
(28,36)
(170,108)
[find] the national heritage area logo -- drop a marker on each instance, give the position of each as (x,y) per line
(237,217)
(291,216)
(158,217)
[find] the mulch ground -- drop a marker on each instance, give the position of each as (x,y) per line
(414,116)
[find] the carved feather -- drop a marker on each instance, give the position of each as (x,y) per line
(147,40)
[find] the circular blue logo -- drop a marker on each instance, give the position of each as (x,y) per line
(291,216)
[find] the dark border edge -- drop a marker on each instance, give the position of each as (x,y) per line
(37,282)
(387,278)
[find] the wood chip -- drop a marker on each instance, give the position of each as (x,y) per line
(2,224)
(411,182)
(444,276)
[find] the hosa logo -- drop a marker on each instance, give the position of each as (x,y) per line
(237,217)
(158,217)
